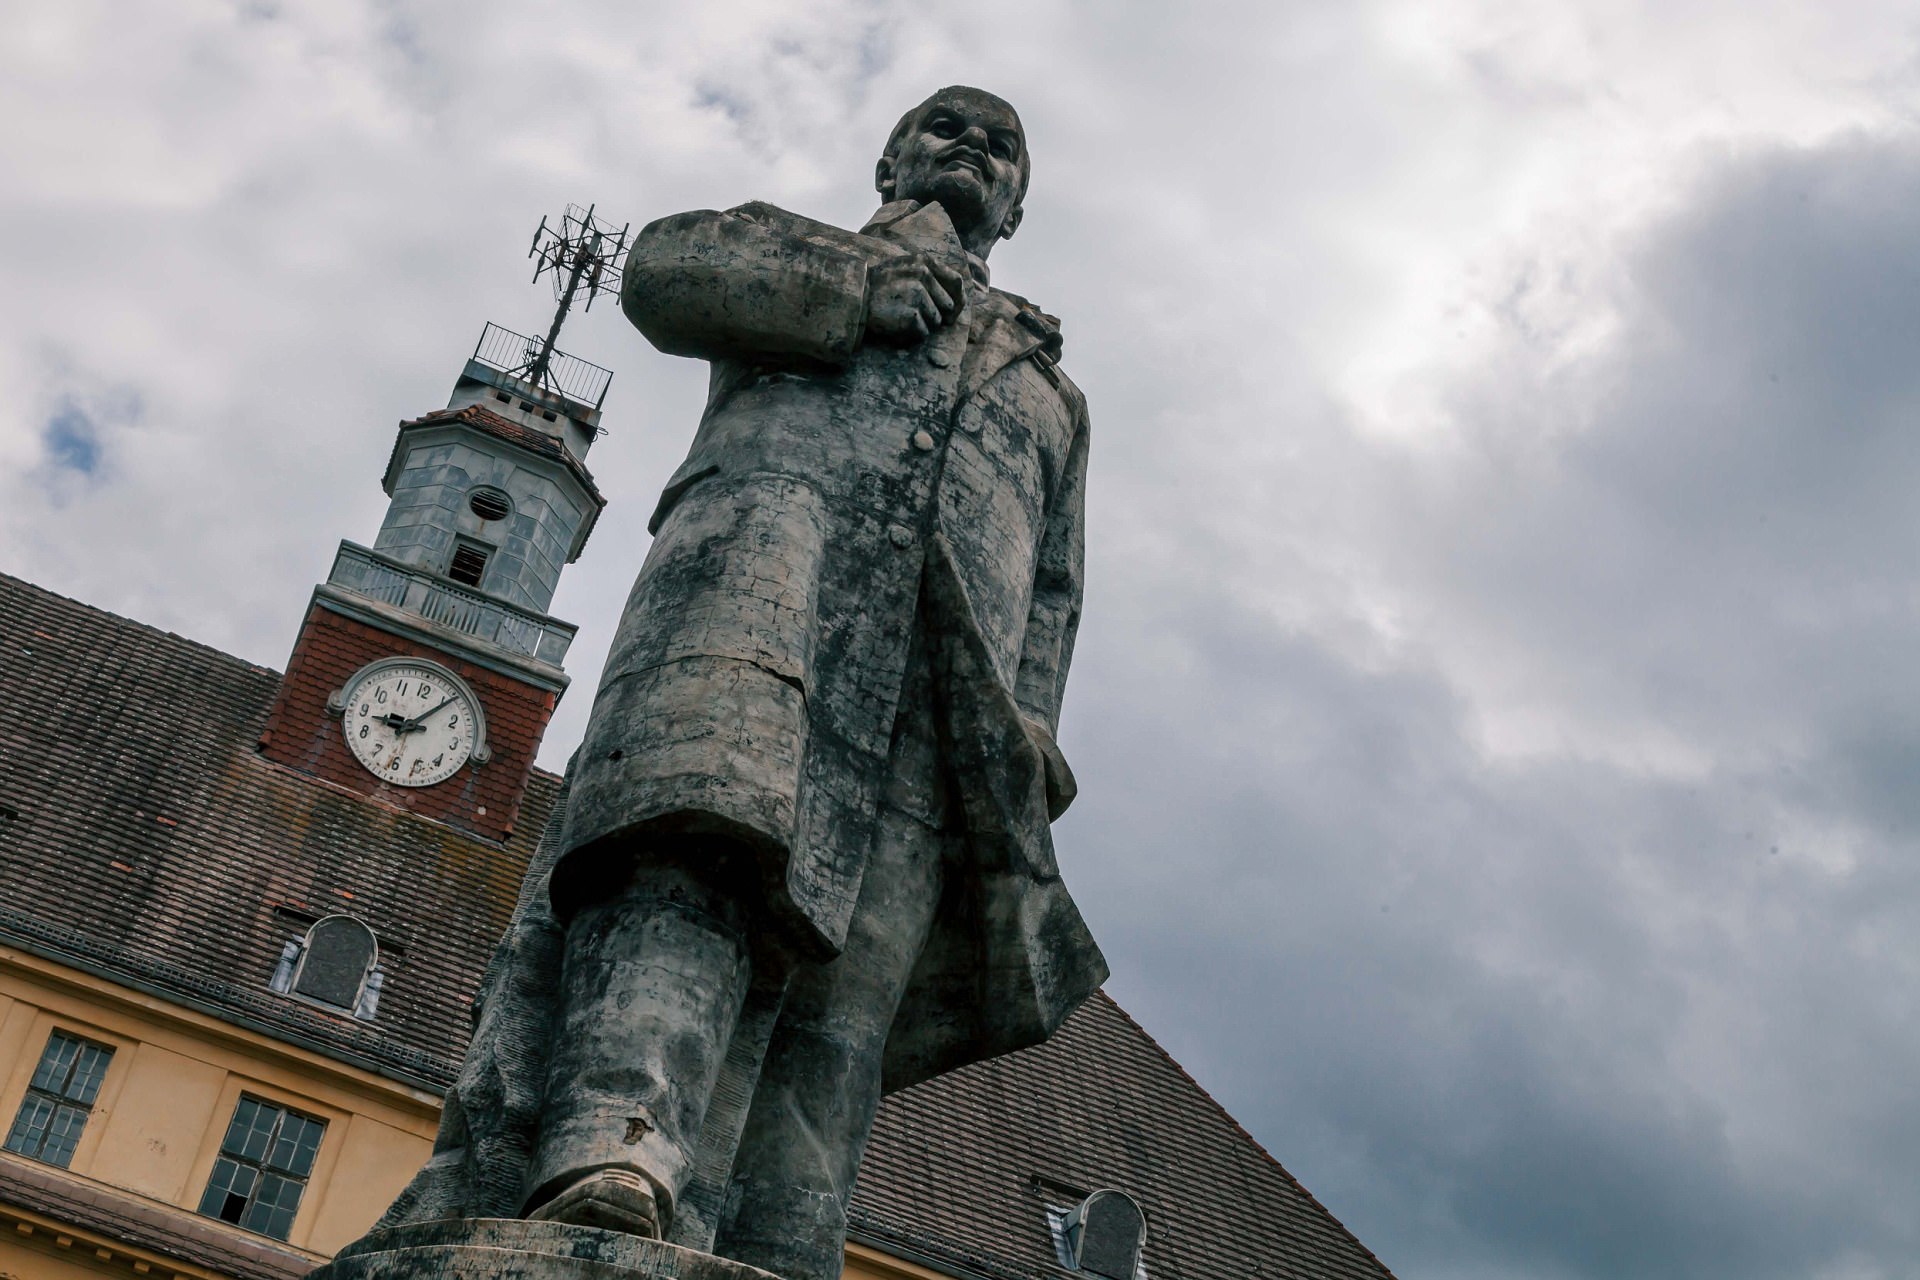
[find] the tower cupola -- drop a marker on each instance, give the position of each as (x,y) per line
(493,491)
(428,665)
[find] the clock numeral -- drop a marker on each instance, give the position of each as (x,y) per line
(437,759)
(379,695)
(401,689)
(364,728)
(394,763)
(426,690)
(364,708)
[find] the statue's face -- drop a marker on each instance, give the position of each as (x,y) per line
(967,151)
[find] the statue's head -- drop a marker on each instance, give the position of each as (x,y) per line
(964,148)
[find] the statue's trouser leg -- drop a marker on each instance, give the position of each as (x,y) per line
(651,986)
(814,1107)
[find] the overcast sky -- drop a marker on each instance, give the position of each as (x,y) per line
(1498,706)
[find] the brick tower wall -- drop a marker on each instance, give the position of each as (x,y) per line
(303,734)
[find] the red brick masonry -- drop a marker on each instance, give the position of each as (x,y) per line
(303,734)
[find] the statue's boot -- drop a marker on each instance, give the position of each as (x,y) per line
(652,986)
(612,1199)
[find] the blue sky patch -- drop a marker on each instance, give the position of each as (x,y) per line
(73,441)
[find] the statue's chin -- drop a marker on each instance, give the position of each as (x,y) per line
(962,196)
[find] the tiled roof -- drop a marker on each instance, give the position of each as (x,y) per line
(142,837)
(501,428)
(963,1169)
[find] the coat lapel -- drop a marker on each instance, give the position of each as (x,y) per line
(998,339)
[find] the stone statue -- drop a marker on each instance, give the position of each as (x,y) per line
(805,856)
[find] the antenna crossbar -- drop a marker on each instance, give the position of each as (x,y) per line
(583,255)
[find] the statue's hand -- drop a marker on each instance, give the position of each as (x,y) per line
(1061,785)
(909,297)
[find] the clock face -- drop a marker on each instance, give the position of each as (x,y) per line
(411,724)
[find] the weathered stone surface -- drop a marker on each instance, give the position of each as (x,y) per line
(806,855)
(495,1249)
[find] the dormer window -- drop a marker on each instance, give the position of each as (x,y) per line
(1102,1236)
(336,964)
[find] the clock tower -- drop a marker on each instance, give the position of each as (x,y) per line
(427,667)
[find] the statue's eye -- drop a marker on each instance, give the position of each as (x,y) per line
(1002,149)
(944,127)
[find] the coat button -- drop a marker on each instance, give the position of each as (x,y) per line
(939,357)
(923,440)
(900,536)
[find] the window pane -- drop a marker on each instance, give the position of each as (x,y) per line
(258,1136)
(242,1121)
(252,1129)
(63,1135)
(310,1132)
(55,1063)
(54,1112)
(280,1155)
(89,1070)
(274,1207)
(259,1213)
(30,1127)
(258,1181)
(293,1150)
(217,1187)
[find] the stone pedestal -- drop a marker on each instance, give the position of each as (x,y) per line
(509,1249)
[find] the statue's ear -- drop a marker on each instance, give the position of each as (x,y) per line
(1012,224)
(883,176)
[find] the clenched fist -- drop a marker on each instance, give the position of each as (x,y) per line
(909,297)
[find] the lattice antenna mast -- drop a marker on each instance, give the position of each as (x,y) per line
(582,253)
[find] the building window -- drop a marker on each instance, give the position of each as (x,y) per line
(59,1099)
(262,1168)
(490,503)
(336,964)
(469,563)
(1103,1236)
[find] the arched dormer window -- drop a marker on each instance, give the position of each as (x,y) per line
(336,964)
(1105,1235)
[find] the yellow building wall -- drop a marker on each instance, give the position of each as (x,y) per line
(167,1098)
(164,1106)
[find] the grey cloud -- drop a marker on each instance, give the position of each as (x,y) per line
(1569,1012)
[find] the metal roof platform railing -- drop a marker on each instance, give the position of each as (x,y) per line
(518,356)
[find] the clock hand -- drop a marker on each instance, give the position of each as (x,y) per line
(420,721)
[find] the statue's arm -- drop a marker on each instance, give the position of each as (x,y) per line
(741,285)
(1053,618)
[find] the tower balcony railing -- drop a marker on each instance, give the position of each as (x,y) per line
(413,590)
(515,354)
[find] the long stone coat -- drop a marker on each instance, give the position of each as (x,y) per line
(837,498)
